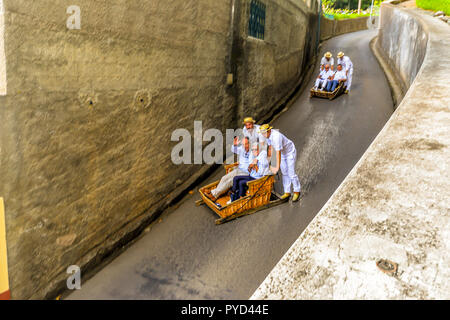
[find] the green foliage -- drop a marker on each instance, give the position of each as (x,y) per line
(350,4)
(435,5)
(339,14)
(348,9)
(328,3)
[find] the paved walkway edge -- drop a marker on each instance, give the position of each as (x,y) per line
(393,208)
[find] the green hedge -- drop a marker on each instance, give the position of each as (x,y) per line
(435,5)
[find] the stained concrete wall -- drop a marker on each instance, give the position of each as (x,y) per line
(86,124)
(270,69)
(395,203)
(331,28)
(404,42)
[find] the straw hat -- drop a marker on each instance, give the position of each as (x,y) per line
(248,119)
(264,128)
(328,55)
(340,54)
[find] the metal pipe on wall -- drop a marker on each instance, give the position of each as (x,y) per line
(318,27)
(230,76)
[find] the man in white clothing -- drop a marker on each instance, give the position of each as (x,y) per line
(243,151)
(258,168)
(286,157)
(327,59)
(251,130)
(348,67)
(323,77)
(338,77)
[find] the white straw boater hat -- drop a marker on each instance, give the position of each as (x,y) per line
(249,119)
(264,128)
(340,54)
(328,55)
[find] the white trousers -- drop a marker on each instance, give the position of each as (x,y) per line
(227,182)
(320,83)
(349,79)
(289,176)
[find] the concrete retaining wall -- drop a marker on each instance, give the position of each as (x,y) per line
(331,28)
(268,70)
(404,42)
(86,124)
(395,203)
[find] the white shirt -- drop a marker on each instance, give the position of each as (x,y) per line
(280,143)
(324,61)
(244,157)
(340,75)
(263,165)
(346,63)
(325,74)
(253,134)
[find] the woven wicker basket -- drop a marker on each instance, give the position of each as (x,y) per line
(258,194)
(328,95)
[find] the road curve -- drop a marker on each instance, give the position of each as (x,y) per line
(186,256)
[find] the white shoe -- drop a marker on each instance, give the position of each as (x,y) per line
(229,201)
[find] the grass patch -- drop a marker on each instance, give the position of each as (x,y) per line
(435,5)
(340,14)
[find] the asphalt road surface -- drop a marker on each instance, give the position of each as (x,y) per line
(186,256)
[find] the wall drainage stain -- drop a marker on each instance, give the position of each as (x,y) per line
(387,266)
(142,99)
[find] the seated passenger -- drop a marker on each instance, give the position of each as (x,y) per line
(323,77)
(243,151)
(338,77)
(258,168)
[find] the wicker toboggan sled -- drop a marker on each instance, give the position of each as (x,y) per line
(329,95)
(260,195)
